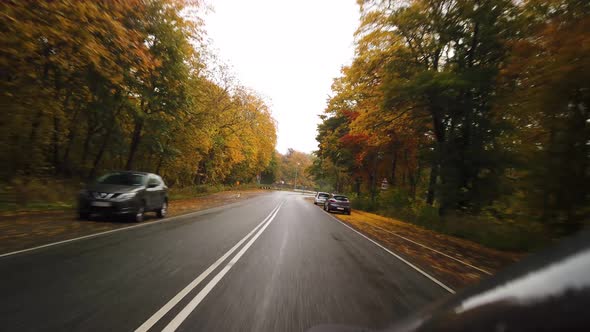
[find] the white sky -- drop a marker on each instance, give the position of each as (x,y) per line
(289,52)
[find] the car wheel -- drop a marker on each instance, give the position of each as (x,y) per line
(139,214)
(163,210)
(348,213)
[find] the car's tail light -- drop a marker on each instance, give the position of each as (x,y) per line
(332,200)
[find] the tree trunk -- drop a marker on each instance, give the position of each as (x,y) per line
(36,123)
(159,164)
(86,145)
(55,143)
(406,175)
(415,178)
(104,144)
(161,156)
(71,136)
(201,169)
(432,183)
(439,134)
(393,166)
(135,140)
(374,179)
(101,151)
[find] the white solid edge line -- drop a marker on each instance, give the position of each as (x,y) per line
(188,309)
(432,249)
(105,232)
(183,293)
(433,279)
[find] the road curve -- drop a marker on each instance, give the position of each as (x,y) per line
(270,263)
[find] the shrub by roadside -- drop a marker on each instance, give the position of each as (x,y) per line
(38,194)
(23,230)
(509,234)
(45,194)
(200,190)
(457,262)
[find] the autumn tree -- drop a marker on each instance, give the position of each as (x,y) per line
(94,86)
(468,106)
(293,168)
(58,74)
(547,102)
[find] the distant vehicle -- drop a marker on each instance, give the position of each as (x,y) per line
(129,194)
(338,203)
(320,198)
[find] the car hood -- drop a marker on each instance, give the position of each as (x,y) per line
(113,188)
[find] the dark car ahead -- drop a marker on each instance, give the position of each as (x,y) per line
(128,194)
(338,203)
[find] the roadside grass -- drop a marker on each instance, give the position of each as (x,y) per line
(49,194)
(506,234)
(26,229)
(34,207)
(457,262)
(503,234)
(432,238)
(38,194)
(203,190)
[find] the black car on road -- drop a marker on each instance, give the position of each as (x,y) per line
(338,203)
(127,193)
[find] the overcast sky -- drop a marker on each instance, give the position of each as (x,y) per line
(289,52)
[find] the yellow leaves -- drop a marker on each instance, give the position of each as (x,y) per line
(93,70)
(235,136)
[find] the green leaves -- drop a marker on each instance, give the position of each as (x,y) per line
(469,102)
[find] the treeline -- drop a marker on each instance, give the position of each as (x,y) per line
(466,107)
(89,86)
(290,170)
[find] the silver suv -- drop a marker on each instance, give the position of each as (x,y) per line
(129,194)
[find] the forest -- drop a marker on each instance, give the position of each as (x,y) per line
(91,86)
(475,112)
(467,116)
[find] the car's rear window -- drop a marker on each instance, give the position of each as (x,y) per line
(126,179)
(323,195)
(341,198)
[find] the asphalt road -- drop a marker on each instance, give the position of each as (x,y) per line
(270,263)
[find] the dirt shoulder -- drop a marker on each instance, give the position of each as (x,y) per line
(30,229)
(454,261)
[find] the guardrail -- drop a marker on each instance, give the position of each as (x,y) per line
(305,191)
(268,187)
